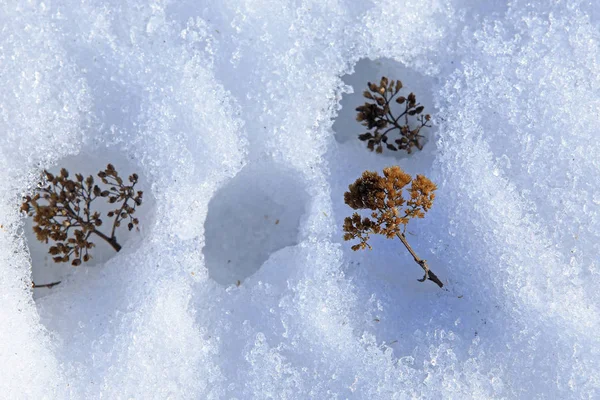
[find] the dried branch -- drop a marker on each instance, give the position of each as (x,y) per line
(379,119)
(66,216)
(390,211)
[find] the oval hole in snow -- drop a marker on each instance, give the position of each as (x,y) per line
(346,127)
(44,269)
(254,215)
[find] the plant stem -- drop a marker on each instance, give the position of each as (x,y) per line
(428,274)
(47,285)
(118,216)
(112,240)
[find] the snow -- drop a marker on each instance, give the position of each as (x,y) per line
(238,116)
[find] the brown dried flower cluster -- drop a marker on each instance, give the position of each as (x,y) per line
(391,211)
(379,118)
(61,211)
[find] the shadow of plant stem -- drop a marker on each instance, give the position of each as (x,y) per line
(390,211)
(67,218)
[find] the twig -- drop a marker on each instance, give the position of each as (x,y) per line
(47,285)
(428,273)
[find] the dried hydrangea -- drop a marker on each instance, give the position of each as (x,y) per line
(390,209)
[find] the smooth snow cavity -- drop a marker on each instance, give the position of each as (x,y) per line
(255,214)
(240,113)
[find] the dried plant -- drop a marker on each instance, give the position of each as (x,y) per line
(390,210)
(66,216)
(380,121)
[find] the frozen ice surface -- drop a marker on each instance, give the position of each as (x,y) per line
(239,117)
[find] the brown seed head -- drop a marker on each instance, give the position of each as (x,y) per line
(383,195)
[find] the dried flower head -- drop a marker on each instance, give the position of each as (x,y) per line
(61,211)
(390,209)
(379,119)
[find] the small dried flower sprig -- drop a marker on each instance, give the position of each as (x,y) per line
(66,216)
(391,212)
(379,119)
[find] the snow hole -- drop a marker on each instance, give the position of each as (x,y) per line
(366,70)
(254,215)
(44,269)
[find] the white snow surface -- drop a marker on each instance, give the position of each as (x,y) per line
(238,115)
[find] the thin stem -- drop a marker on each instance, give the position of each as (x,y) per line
(112,241)
(47,285)
(130,191)
(386,132)
(428,274)
(387,104)
(114,227)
